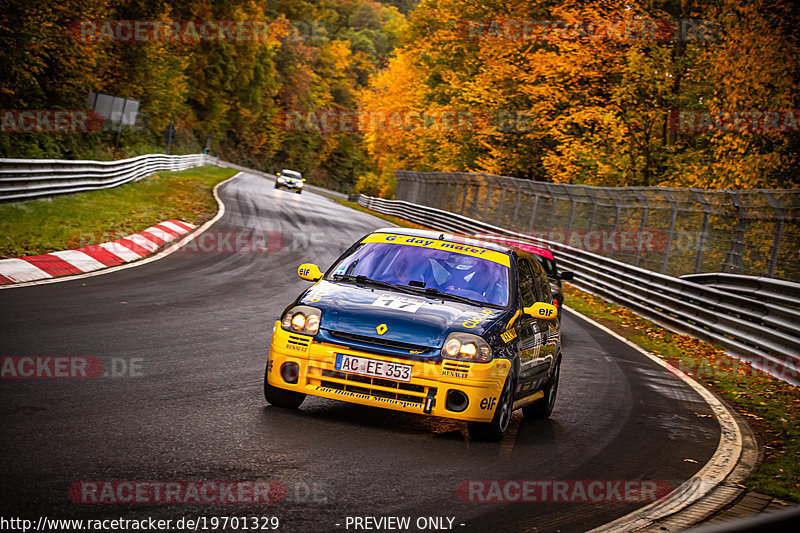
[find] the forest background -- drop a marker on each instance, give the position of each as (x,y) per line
(601,92)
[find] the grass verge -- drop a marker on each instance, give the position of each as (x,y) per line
(71,221)
(771,406)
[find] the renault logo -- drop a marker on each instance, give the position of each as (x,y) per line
(382,329)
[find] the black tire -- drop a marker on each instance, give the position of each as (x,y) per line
(276,186)
(495,430)
(280,397)
(299,192)
(544,407)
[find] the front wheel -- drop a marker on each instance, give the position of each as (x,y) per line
(493,431)
(544,407)
(281,397)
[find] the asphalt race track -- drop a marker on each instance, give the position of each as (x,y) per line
(188,335)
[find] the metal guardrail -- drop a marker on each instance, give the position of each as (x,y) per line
(765,334)
(770,290)
(21,179)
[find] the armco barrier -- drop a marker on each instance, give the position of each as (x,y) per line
(765,333)
(21,179)
(759,288)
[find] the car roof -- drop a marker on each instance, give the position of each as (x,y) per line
(531,245)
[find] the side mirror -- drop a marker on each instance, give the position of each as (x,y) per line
(309,272)
(304,179)
(566,276)
(542,310)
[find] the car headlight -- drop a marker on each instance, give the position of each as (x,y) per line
(281,180)
(302,319)
(466,347)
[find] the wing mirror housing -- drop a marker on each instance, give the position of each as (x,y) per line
(542,310)
(309,272)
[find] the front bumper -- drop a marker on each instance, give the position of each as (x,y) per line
(481,383)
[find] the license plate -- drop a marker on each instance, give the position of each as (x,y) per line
(373,367)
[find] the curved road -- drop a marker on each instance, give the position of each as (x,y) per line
(195,327)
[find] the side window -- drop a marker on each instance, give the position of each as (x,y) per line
(541,285)
(526,286)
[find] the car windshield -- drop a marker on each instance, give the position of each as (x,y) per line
(291,174)
(427,269)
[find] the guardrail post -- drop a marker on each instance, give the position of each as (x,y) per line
(398,189)
(446,203)
(617,211)
(777,234)
(591,193)
(500,206)
(488,197)
(477,187)
(533,212)
(465,185)
(701,241)
(572,203)
(674,206)
(735,257)
(519,200)
(553,199)
(643,200)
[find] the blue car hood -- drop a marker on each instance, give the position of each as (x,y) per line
(409,318)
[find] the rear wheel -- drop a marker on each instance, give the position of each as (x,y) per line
(493,431)
(281,397)
(544,407)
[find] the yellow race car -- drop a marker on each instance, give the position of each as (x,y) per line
(422,322)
